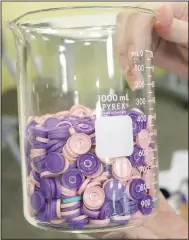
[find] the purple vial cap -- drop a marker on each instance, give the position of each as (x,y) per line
(58,188)
(38,201)
(56,147)
(146,204)
(88,163)
(39,132)
(135,189)
(55,162)
(110,209)
(42,215)
(114,190)
(36,176)
(137,158)
(86,127)
(72,178)
(32,123)
(51,123)
(47,187)
(137,125)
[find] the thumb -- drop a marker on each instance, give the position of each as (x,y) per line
(169,28)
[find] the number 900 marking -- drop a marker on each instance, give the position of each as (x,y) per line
(146,203)
(140,101)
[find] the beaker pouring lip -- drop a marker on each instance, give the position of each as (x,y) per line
(17,22)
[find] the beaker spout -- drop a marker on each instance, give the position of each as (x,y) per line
(16,29)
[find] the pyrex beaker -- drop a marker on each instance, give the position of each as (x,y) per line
(88,140)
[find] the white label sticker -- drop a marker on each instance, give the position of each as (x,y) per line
(114,136)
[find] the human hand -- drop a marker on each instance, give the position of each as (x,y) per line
(165,225)
(169,36)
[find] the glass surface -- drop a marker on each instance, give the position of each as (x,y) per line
(66,60)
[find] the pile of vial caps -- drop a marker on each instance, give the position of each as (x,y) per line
(69,186)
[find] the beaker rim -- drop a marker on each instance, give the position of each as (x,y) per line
(15,22)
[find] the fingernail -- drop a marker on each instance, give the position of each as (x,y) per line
(161,14)
(164,17)
(159,26)
(132,86)
(123,62)
(131,50)
(131,80)
(126,70)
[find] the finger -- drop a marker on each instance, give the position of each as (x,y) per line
(132,30)
(134,78)
(177,32)
(132,233)
(120,33)
(164,18)
(115,235)
(132,26)
(133,34)
(180,10)
(163,204)
(98,235)
(128,42)
(176,64)
(169,28)
(121,39)
(84,236)
(184,52)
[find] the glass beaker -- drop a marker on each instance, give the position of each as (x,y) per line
(88,139)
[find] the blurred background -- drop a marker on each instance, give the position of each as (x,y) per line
(172,128)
